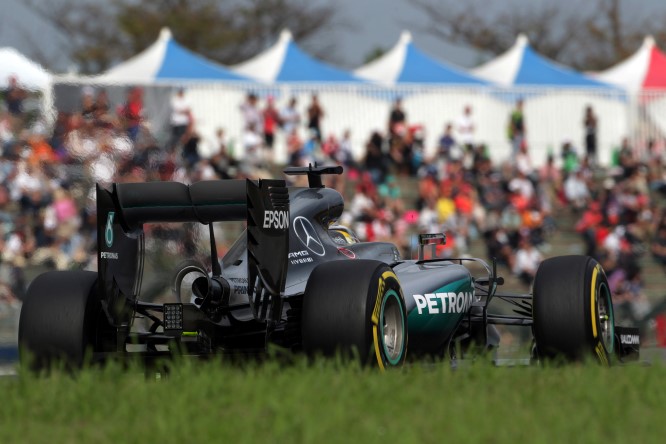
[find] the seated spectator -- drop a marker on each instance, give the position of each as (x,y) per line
(446,142)
(576,190)
(527,261)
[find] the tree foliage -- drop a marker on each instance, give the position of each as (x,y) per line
(100,33)
(590,36)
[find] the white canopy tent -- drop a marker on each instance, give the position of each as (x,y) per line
(29,74)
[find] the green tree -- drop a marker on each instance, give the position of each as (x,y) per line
(590,36)
(374,54)
(98,33)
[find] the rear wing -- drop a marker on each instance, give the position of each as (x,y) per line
(122,211)
(204,202)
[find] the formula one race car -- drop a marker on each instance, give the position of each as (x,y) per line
(297,280)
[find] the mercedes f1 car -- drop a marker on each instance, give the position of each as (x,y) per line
(298,280)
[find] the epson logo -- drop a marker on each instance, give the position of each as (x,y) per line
(630,339)
(276,219)
(443,303)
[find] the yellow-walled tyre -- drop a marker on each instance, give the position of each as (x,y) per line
(356,308)
(573,310)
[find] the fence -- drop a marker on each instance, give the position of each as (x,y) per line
(552,115)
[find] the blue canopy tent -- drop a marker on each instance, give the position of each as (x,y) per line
(522,66)
(286,62)
(166,61)
(405,63)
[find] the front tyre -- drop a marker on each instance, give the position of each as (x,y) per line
(355,307)
(573,310)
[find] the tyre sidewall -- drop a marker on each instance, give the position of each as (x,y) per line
(597,283)
(384,289)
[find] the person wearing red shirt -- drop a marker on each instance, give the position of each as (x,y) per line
(132,112)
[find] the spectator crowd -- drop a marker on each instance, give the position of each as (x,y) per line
(47,177)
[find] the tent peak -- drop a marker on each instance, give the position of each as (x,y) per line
(165,34)
(405,37)
(648,41)
(286,36)
(522,40)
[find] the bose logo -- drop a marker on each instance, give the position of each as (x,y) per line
(444,302)
(630,339)
(276,219)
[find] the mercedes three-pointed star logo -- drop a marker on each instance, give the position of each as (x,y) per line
(307,234)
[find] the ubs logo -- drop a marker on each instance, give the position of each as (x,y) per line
(306,233)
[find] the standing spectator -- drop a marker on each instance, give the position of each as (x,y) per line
(397,117)
(101,114)
(190,152)
(6,131)
(88,103)
(252,142)
(181,117)
(517,127)
(289,117)
(14,96)
(251,113)
(294,147)
(315,116)
(375,161)
(346,152)
(132,112)
(465,127)
(271,122)
(590,124)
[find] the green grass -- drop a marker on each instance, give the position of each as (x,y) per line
(327,402)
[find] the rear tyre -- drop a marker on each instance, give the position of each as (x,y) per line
(355,307)
(62,320)
(573,310)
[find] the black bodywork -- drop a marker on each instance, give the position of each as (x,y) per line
(253,296)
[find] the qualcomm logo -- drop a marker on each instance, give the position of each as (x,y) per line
(305,232)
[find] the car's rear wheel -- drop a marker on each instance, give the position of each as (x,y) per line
(62,320)
(573,310)
(355,307)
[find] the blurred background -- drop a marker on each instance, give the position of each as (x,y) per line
(521,129)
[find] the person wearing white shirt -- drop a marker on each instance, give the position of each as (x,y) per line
(527,261)
(576,190)
(181,116)
(290,117)
(465,128)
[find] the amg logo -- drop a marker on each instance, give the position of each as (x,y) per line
(276,219)
(302,253)
(437,303)
(108,255)
(630,339)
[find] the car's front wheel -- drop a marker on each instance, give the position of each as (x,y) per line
(573,310)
